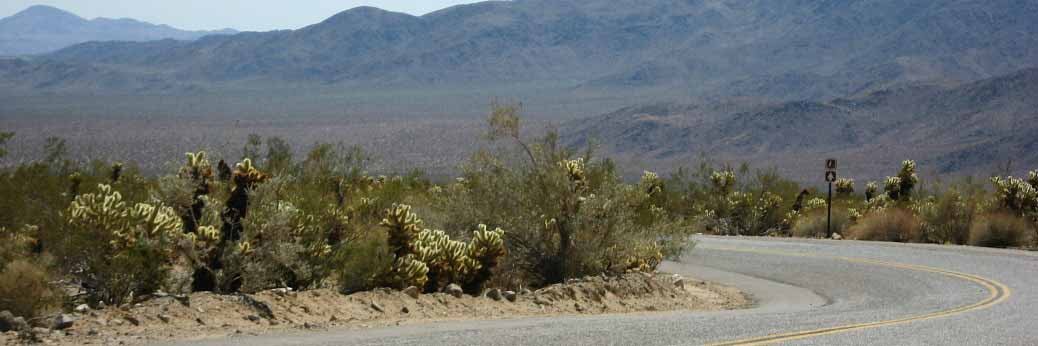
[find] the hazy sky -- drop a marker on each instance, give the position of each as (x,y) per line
(217,14)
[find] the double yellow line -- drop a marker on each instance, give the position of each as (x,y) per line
(998,293)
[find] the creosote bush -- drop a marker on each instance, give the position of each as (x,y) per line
(891,224)
(999,230)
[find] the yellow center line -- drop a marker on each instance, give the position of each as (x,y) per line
(998,293)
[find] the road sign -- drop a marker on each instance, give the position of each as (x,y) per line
(830,176)
(830,164)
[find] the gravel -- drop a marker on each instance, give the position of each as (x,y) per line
(793,293)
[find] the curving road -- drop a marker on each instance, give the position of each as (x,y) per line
(808,292)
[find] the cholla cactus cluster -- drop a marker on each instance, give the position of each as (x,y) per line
(643,257)
(723,181)
(111,218)
(1016,194)
(431,259)
(900,187)
(814,203)
(124,249)
(844,186)
(870,191)
(246,176)
(651,183)
(574,170)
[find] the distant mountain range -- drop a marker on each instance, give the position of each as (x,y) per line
(951,83)
(716,49)
(972,128)
(44,29)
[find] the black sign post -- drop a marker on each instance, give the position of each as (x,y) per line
(830,177)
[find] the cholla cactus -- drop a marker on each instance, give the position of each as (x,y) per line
(1015,194)
(892,187)
(814,203)
(486,249)
(574,170)
(870,191)
(197,167)
(246,176)
(908,179)
(844,186)
(644,257)
(723,181)
(1032,178)
(407,271)
(404,227)
(117,172)
(651,183)
(122,249)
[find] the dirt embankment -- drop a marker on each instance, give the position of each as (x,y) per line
(206,315)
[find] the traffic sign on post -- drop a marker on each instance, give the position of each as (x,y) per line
(830,177)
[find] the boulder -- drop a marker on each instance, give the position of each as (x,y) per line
(494,294)
(9,322)
(510,296)
(413,292)
(455,290)
(63,321)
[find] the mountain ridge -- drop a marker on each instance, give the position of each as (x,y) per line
(41,29)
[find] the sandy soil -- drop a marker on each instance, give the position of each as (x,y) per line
(207,315)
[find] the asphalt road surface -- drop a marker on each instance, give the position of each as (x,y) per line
(808,292)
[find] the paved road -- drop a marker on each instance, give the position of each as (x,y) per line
(840,293)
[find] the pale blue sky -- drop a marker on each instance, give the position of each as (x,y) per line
(217,14)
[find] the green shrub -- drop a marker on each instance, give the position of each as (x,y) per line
(25,289)
(890,224)
(999,230)
(567,215)
(812,224)
(947,217)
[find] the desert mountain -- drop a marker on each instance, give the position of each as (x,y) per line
(43,29)
(972,128)
(714,49)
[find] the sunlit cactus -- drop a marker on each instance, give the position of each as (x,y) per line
(892,187)
(197,167)
(246,176)
(723,181)
(403,226)
(814,203)
(486,249)
(844,186)
(651,183)
(407,271)
(574,170)
(907,180)
(1015,194)
(870,191)
(645,257)
(122,248)
(1032,178)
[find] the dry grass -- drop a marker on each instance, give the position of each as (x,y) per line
(999,230)
(891,224)
(25,290)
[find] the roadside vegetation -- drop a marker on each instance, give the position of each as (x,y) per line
(525,213)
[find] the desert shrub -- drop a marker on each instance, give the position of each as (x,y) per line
(25,289)
(722,204)
(812,223)
(890,224)
(567,215)
(4,137)
(948,216)
(999,230)
(120,249)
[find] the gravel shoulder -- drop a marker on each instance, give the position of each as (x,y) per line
(208,317)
